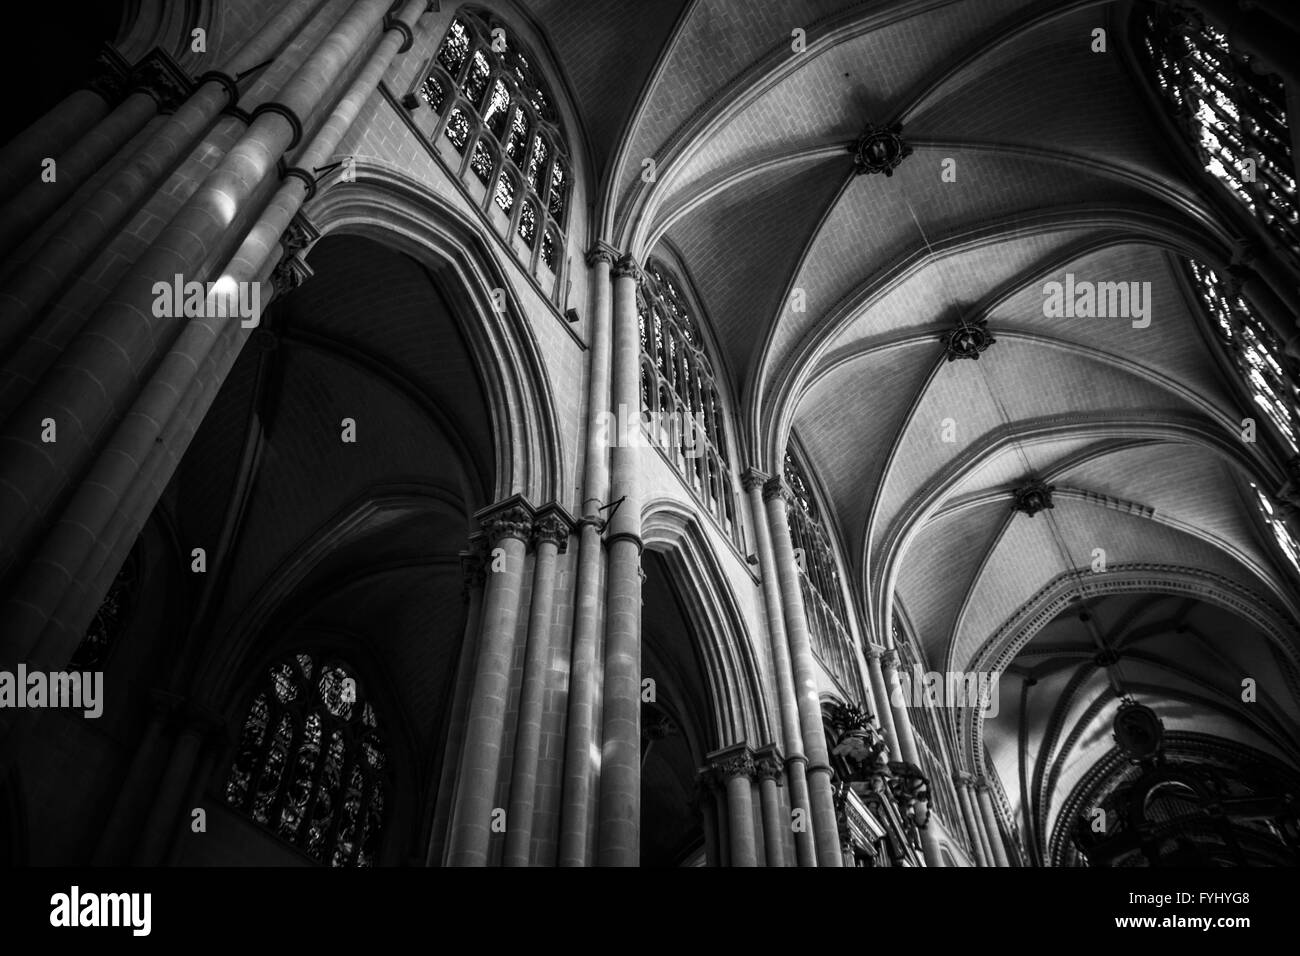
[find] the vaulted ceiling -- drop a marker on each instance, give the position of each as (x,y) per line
(1033,157)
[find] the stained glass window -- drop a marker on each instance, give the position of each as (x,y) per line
(504,110)
(1254,348)
(311,765)
(1234,116)
(1285,539)
(680,401)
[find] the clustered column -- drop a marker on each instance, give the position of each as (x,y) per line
(795,761)
(992,831)
(804,669)
(974,829)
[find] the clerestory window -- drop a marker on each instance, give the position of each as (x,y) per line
(679,398)
(1255,350)
(500,121)
(1235,117)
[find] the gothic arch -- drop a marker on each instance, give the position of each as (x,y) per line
(394,209)
(738,704)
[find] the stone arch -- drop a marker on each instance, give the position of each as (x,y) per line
(395,210)
(738,703)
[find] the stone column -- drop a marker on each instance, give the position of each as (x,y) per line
(885,712)
(508,527)
(804,670)
(131,803)
(473,571)
(902,721)
(49,136)
(769,768)
(974,829)
(175,784)
(93,384)
(584,705)
(48,271)
(733,768)
(620,770)
(991,829)
(551,537)
(788,705)
(99,496)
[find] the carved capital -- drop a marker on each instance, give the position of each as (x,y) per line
(109,76)
(775,488)
(602,252)
(752,478)
(734,761)
(981,783)
(627,268)
(512,518)
(768,764)
(889,657)
(875,653)
(473,567)
(961,778)
(553,526)
(163,79)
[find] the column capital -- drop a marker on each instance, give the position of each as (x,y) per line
(775,488)
(874,652)
(769,764)
(109,77)
(961,778)
(752,478)
(601,251)
(162,78)
(627,268)
(512,518)
(982,783)
(889,657)
(553,525)
(734,761)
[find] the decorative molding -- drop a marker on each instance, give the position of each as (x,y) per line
(880,149)
(295,124)
(292,269)
(393,22)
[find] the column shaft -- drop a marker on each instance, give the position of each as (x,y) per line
(885,712)
(620,771)
(481,760)
(773,825)
(740,814)
(791,737)
(532,695)
(991,829)
(805,678)
(580,730)
(972,826)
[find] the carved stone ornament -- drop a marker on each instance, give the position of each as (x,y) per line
(967,341)
(1033,496)
(514,522)
(879,149)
